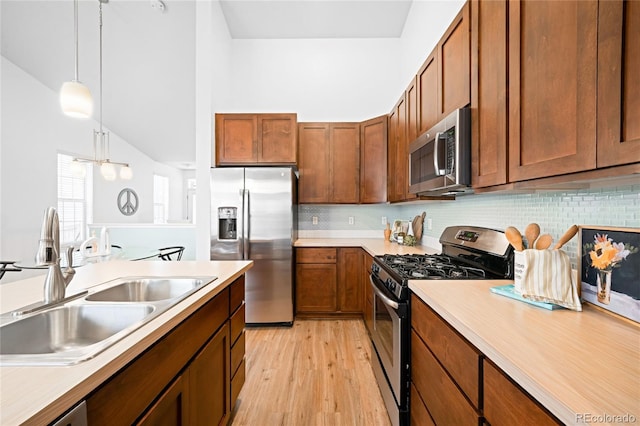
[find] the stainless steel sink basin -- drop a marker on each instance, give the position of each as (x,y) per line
(83,327)
(69,333)
(147,290)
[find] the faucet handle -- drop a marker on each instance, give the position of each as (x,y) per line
(70,251)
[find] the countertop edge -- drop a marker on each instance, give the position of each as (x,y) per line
(113,359)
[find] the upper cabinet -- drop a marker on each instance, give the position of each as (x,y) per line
(552,87)
(252,139)
(489,93)
(618,85)
(563,121)
(329,163)
(373,160)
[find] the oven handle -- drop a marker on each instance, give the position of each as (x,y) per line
(382,296)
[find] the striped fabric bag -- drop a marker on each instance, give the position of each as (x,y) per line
(547,277)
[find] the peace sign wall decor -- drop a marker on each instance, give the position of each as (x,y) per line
(128,202)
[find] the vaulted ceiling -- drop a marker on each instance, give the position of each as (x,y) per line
(149,54)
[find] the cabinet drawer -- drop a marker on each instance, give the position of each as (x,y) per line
(316,255)
(237,294)
(505,403)
(460,358)
(419,414)
(445,402)
(236,384)
(237,353)
(237,323)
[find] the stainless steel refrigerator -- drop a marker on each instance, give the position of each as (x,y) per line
(254,216)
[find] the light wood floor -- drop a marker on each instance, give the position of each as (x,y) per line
(315,373)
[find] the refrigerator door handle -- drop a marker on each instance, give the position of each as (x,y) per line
(246,230)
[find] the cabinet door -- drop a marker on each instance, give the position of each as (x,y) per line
(454,73)
(345,163)
(313,164)
(552,83)
(210,382)
(349,284)
(506,404)
(316,288)
(171,408)
(489,92)
(373,160)
(618,83)
(277,142)
(402,158)
(236,139)
(392,143)
(427,80)
(411,96)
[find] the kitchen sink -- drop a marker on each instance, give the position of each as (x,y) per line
(69,332)
(80,329)
(147,290)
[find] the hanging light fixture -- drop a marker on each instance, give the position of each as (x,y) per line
(75,98)
(101,137)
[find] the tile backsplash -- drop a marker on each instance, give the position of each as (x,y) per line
(553,211)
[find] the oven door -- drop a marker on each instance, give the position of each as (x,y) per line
(390,339)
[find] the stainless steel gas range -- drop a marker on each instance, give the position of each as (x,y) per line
(468,253)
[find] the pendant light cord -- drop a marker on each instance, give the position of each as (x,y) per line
(75,34)
(100,23)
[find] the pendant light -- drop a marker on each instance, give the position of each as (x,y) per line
(75,98)
(101,137)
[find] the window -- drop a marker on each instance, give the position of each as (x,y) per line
(160,199)
(75,208)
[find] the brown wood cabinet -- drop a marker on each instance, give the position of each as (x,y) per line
(552,102)
(452,382)
(505,403)
(398,164)
(329,281)
(250,139)
(329,163)
(373,160)
(427,81)
(182,379)
(618,93)
(489,92)
(454,70)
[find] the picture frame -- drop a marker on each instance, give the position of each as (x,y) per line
(609,269)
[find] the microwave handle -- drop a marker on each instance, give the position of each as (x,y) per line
(436,153)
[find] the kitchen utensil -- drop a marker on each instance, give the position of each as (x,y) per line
(532,231)
(543,242)
(417,226)
(514,237)
(573,230)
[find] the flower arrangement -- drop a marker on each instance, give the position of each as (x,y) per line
(606,254)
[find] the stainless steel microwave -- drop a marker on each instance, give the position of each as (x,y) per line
(440,158)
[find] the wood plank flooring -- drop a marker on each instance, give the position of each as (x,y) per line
(315,373)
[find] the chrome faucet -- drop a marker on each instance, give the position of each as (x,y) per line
(48,254)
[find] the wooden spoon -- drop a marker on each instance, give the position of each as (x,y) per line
(514,237)
(532,231)
(543,242)
(573,230)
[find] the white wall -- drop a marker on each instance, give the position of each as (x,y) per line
(34,130)
(320,79)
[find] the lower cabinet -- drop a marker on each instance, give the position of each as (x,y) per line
(505,403)
(453,383)
(329,281)
(186,378)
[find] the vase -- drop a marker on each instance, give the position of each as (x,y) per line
(603,282)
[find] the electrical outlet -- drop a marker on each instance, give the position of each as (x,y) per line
(384,220)
(350,220)
(429,224)
(314,220)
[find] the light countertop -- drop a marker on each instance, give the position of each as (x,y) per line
(38,395)
(373,246)
(574,363)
